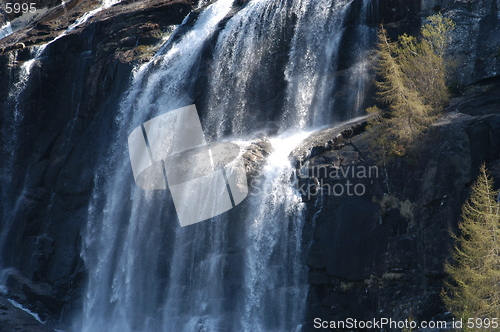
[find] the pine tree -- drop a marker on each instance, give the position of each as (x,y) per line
(407,116)
(412,86)
(474,289)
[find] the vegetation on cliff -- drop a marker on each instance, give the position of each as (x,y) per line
(473,294)
(411,87)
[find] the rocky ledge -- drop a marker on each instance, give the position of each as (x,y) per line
(12,318)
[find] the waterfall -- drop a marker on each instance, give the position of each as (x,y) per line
(272,64)
(359,74)
(6,30)
(247,59)
(128,244)
(12,115)
(275,274)
(313,64)
(15,177)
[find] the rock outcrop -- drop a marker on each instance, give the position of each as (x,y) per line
(15,319)
(475,42)
(380,252)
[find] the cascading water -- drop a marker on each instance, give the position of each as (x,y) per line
(243,270)
(125,247)
(314,61)
(359,73)
(275,273)
(9,136)
(6,30)
(12,193)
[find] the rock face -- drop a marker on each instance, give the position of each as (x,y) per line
(475,42)
(255,155)
(389,249)
(15,319)
(380,252)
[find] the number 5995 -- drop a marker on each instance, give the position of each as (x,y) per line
(17,8)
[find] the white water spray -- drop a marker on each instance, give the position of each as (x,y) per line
(245,270)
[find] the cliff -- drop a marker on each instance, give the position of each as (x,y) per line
(381,254)
(375,255)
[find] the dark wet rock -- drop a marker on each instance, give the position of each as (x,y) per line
(327,140)
(475,42)
(480,100)
(15,319)
(381,254)
(255,155)
(39,296)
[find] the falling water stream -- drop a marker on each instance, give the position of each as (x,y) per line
(9,136)
(243,270)
(11,196)
(273,64)
(6,30)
